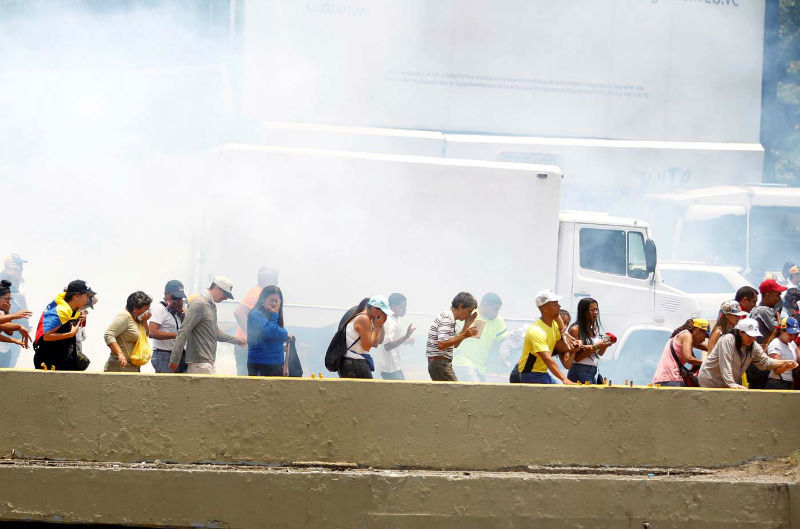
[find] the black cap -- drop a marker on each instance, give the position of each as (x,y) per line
(79,286)
(175,289)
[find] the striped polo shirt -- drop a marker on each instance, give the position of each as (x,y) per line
(443,328)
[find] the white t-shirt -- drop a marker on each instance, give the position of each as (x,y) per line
(788,351)
(168,323)
(389,361)
(592,359)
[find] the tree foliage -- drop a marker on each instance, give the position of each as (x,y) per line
(786,148)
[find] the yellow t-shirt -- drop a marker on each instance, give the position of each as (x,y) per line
(474,352)
(539,337)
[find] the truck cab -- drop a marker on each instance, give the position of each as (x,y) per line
(614,260)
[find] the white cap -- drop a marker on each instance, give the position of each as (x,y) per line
(546,296)
(224,283)
(749,326)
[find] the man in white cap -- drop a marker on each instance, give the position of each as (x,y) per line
(542,338)
(200,333)
(733,354)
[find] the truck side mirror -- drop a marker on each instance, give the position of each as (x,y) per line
(650,255)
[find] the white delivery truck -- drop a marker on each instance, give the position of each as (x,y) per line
(341,226)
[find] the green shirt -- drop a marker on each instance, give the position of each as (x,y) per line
(473,352)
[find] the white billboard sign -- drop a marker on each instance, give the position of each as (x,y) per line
(679,70)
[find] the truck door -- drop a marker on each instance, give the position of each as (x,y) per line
(610,266)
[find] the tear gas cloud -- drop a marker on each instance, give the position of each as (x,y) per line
(109,110)
(106,110)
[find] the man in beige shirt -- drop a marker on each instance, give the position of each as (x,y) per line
(200,333)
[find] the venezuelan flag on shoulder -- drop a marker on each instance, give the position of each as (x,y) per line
(57,313)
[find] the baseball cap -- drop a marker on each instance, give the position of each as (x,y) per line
(732,307)
(700,323)
(175,289)
(379,302)
(546,296)
(79,286)
(770,285)
(225,284)
(749,326)
(15,258)
(790,325)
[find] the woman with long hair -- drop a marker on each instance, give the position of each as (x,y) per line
(730,312)
(123,332)
(691,334)
(266,335)
(588,331)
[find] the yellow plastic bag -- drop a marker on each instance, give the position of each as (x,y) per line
(142,352)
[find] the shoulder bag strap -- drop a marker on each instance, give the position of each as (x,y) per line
(677,360)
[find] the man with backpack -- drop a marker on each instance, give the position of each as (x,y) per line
(167,318)
(361,333)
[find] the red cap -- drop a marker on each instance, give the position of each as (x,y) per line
(770,285)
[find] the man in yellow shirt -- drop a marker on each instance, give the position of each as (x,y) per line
(542,338)
(469,361)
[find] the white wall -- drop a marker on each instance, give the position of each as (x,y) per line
(632,69)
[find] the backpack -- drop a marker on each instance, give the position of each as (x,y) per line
(338,346)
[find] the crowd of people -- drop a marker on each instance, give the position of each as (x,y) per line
(753,343)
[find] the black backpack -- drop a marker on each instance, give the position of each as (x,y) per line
(338,346)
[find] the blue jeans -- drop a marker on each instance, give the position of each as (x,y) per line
(240,355)
(264,370)
(536,378)
(582,373)
(160,361)
(672,383)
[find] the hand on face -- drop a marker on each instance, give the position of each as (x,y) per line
(273,303)
(379,318)
(469,320)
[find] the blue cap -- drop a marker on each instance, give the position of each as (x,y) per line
(792,326)
(379,302)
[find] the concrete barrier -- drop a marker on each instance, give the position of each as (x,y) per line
(234,498)
(189,419)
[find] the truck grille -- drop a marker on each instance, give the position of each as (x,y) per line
(669,304)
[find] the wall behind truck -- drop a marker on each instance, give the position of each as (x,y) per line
(627,69)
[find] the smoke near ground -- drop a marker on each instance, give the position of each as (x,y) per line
(106,109)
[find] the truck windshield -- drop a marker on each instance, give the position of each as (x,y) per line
(697,281)
(774,237)
(720,241)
